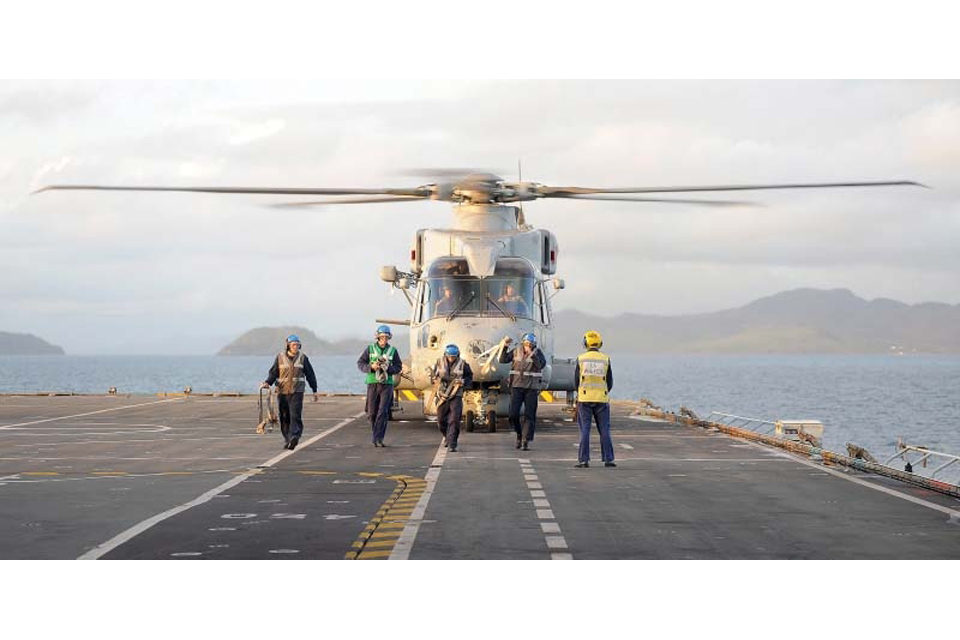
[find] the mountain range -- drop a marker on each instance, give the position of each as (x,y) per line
(796,321)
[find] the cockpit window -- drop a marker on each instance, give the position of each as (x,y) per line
(507,293)
(508,297)
(449,267)
(449,295)
(516,267)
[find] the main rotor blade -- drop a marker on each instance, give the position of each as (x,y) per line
(418,192)
(708,203)
(294,205)
(562,191)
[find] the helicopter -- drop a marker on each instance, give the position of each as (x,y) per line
(489,277)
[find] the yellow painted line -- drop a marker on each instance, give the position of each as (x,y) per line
(40,473)
(409,395)
(546,395)
(382,531)
(386,534)
(379,544)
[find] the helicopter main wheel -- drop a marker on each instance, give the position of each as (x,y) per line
(469,419)
(491,421)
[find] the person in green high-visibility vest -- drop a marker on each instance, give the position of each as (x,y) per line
(382,364)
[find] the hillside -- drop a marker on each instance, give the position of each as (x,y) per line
(267,341)
(797,321)
(26,344)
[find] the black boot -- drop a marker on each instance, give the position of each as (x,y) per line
(519,440)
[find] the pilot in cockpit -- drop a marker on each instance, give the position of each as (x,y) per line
(447,303)
(511,302)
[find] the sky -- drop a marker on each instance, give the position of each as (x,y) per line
(185,273)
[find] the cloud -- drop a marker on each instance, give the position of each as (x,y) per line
(210,264)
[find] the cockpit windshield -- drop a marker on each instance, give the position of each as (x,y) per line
(509,292)
(460,295)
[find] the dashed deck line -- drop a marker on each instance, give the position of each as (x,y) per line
(553,537)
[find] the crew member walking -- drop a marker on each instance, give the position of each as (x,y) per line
(526,374)
(595,380)
(291,371)
(454,375)
(381,363)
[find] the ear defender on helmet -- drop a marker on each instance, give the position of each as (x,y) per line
(592,340)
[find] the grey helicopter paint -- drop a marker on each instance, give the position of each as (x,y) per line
(458,277)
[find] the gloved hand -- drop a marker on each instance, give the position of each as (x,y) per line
(316,397)
(264,385)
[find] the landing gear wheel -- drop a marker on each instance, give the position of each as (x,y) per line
(491,421)
(469,418)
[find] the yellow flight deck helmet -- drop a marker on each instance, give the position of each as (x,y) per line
(592,340)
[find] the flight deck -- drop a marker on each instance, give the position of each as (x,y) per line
(145,477)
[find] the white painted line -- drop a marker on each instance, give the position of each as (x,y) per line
(545,514)
(524,460)
(550,527)
(561,556)
(404,544)
(626,446)
(100,550)
(90,413)
(537,494)
(534,485)
(531,478)
(542,504)
(953,513)
(556,542)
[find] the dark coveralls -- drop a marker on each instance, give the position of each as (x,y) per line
(290,394)
(379,394)
(450,412)
(599,411)
(524,388)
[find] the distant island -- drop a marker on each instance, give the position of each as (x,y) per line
(267,341)
(801,321)
(26,344)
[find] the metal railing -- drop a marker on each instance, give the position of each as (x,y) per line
(926,455)
(752,424)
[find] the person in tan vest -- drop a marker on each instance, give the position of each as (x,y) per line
(291,371)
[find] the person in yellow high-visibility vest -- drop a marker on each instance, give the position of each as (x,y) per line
(594,377)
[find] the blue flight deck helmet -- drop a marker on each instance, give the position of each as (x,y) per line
(452,350)
(383,330)
(294,338)
(529,337)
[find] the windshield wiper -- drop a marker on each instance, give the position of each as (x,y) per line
(502,310)
(454,313)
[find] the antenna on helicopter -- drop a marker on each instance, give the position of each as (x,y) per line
(521,220)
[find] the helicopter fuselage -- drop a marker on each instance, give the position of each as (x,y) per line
(488,279)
